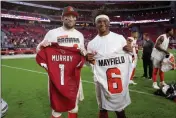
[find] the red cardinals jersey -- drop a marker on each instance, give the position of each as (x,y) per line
(63,65)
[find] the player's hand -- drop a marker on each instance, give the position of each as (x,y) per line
(82,52)
(128,48)
(45,44)
(90,57)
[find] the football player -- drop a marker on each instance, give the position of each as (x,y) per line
(110,64)
(67,36)
(133,39)
(160,50)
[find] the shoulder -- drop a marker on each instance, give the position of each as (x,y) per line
(161,37)
(151,41)
(54,30)
(117,36)
(78,32)
(93,40)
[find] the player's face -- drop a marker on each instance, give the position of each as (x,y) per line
(171,33)
(69,21)
(135,35)
(145,37)
(102,25)
(129,41)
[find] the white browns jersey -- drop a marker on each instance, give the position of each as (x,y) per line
(159,55)
(111,71)
(168,63)
(69,38)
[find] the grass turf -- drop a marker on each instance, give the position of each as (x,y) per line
(26,93)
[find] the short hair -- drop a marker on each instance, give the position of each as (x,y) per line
(168,30)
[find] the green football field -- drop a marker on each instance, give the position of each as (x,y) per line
(24,87)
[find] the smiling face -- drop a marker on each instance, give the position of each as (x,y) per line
(69,21)
(102,24)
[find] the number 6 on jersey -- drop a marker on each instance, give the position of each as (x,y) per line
(114,80)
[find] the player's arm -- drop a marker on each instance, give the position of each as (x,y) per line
(169,48)
(89,55)
(158,43)
(44,43)
(82,46)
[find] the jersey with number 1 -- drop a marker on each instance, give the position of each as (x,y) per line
(111,70)
(63,65)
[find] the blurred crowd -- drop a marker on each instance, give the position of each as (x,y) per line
(16,35)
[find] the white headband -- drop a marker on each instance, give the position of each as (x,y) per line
(101,16)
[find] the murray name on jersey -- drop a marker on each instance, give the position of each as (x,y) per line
(111,61)
(62,58)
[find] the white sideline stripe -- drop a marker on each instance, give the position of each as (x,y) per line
(136,91)
(24,69)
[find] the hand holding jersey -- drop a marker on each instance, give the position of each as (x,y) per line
(66,36)
(110,69)
(63,84)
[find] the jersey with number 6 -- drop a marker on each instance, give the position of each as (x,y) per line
(63,65)
(111,71)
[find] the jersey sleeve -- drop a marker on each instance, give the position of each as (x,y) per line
(124,42)
(41,59)
(89,48)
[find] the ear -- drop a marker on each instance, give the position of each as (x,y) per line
(108,23)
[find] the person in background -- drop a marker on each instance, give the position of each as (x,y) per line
(146,56)
(160,51)
(134,38)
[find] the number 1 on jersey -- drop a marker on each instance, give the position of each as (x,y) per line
(61,66)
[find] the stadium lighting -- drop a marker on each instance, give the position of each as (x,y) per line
(117,16)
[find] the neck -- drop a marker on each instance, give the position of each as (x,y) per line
(167,35)
(65,28)
(103,33)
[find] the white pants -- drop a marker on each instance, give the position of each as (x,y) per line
(156,63)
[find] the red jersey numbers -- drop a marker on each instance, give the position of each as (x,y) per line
(114,80)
